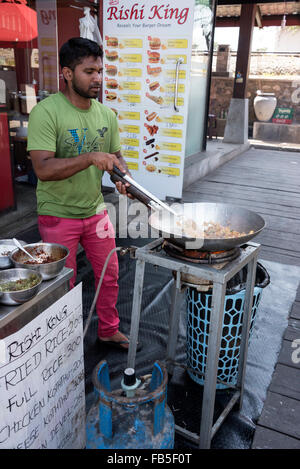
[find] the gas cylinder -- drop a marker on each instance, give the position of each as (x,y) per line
(136,416)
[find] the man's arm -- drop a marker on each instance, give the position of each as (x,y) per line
(49,168)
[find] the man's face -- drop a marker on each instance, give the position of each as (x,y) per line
(87,77)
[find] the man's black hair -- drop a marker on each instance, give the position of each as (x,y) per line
(76,49)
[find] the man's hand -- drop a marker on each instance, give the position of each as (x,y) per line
(122,188)
(105,161)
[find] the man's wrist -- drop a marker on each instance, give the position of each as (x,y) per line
(90,158)
(124,164)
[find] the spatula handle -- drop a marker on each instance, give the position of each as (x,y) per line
(134,191)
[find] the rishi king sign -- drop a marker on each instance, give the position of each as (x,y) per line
(147,57)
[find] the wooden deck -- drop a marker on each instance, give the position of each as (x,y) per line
(268,182)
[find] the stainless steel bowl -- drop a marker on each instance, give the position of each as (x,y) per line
(47,270)
(7,245)
(20,296)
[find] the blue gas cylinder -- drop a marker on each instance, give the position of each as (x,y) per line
(133,417)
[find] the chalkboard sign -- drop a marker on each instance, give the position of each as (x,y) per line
(283,115)
(42,395)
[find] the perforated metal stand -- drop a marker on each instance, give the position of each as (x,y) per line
(153,254)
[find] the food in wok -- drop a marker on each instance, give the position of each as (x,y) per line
(216,231)
(209,230)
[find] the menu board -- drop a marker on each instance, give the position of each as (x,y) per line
(42,398)
(147,50)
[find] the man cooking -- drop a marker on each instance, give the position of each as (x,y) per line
(72,139)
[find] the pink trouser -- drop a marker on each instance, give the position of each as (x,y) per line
(96,236)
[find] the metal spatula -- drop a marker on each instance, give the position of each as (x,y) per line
(36,260)
(140,192)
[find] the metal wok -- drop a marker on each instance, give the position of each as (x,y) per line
(238,219)
(165,223)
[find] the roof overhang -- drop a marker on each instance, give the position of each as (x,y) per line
(268,13)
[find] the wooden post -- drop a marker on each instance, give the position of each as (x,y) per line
(236,130)
(247,19)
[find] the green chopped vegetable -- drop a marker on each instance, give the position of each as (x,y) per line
(21,284)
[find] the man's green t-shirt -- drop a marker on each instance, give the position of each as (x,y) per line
(56,125)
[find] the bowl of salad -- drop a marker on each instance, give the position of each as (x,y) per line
(18,285)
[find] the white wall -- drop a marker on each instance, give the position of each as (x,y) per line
(288,39)
(270,38)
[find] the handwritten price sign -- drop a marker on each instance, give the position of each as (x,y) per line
(42,397)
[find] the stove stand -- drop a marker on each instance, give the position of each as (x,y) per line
(154,254)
